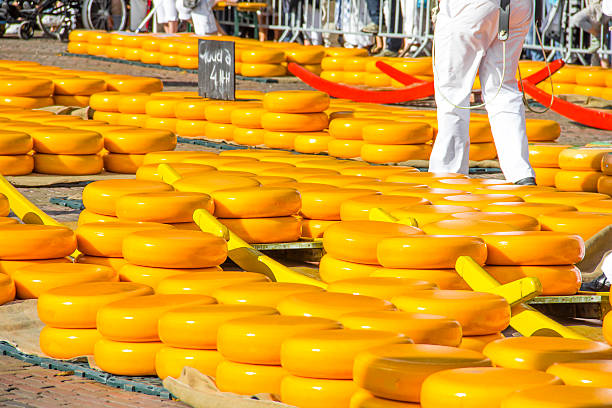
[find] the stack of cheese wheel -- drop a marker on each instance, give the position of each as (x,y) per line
(581,169)
(69,313)
(544,158)
(262,62)
(248,130)
(392,142)
(191,117)
(251,349)
(189,335)
(604,185)
(219,119)
(129,330)
(481,140)
(100,201)
(347,136)
(542,130)
(76,90)
(17,90)
(67,151)
(14,149)
(547,255)
(296,120)
(320,364)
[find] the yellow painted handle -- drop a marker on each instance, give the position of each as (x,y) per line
(22,207)
(378,214)
(169,175)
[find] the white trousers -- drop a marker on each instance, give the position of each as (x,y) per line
(466,43)
(166,12)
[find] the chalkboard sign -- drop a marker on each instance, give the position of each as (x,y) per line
(216,76)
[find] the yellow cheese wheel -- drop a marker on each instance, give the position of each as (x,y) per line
(296,101)
(539,353)
(262,70)
(571,180)
(164,207)
(85,217)
(77,47)
(316,392)
(482,151)
(139,141)
(114,263)
(26,102)
(15,143)
(585,224)
(559,396)
(315,228)
(108,117)
(78,86)
(606,164)
(528,208)
(356,241)
(191,128)
(135,319)
(206,283)
(533,248)
(329,305)
(477,200)
(279,140)
(519,191)
(479,386)
(169,361)
(7,289)
(325,204)
(604,206)
(565,198)
(378,153)
(173,156)
(542,130)
(29,87)
(76,306)
(363,399)
(294,122)
(101,196)
(174,249)
(106,101)
(345,149)
(604,185)
(196,327)
(545,154)
(397,133)
(168,124)
(265,230)
(32,281)
(68,343)
(305,55)
(261,55)
(332,269)
(429,251)
(403,189)
(249,379)
(67,141)
(71,100)
(420,328)
(359,208)
(256,202)
(338,180)
(312,142)
(106,238)
(191,109)
(247,117)
(398,371)
(133,102)
(426,214)
(133,119)
(465,184)
(260,293)
(582,158)
(329,354)
(380,172)
(153,276)
(203,183)
(32,242)
(555,279)
(590,373)
(519,221)
(126,358)
(134,84)
(150,57)
(72,165)
(273,181)
(443,278)
(221,112)
(466,227)
(478,343)
(123,163)
(258,339)
(161,108)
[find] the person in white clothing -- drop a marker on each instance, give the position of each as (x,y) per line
(201,16)
(167,15)
(466,43)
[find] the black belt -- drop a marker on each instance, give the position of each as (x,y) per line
(504,20)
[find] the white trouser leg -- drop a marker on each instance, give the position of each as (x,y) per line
(464,30)
(506,110)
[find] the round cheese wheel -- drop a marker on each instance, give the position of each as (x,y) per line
(85,217)
(108,117)
(173,156)
(139,141)
(280,157)
(397,133)
(101,196)
(126,358)
(206,283)
(191,109)
(345,149)
(329,354)
(329,305)
(478,343)
(604,185)
(72,165)
(545,154)
(265,230)
(337,180)
(196,327)
(78,86)
(21,86)
(114,263)
(296,101)
(559,396)
(168,124)
(76,306)
(397,371)
(516,190)
(429,251)
(556,280)
(363,399)
(426,214)
(519,221)
(106,101)
(332,269)
(531,209)
(279,140)
(479,386)
(465,184)
(356,241)
(208,183)
(68,343)
(5,206)
(359,208)
(135,319)
(133,103)
(316,392)
(379,153)
(33,241)
(106,238)
(122,163)
(466,227)
(577,180)
(591,373)
(164,207)
(7,289)
(26,102)
(261,55)
(191,128)
(420,328)
(134,84)
(262,70)
(260,293)
(221,112)
(446,279)
(539,353)
(256,202)
(219,131)
(380,172)
(151,172)
(325,204)
(542,130)
(71,100)
(249,118)
(133,119)
(477,200)
(174,249)
(582,158)
(161,108)
(258,339)
(585,224)
(249,379)
(482,151)
(315,228)
(294,122)
(170,361)
(305,55)
(153,276)
(15,143)
(478,313)
(32,281)
(604,206)
(565,198)
(533,248)
(217,161)
(273,181)
(312,142)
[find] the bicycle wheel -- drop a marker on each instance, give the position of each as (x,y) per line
(56,18)
(104,15)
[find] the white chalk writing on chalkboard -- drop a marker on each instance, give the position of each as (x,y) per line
(216,77)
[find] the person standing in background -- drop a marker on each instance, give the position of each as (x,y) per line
(167,15)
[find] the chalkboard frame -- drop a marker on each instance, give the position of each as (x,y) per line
(216,69)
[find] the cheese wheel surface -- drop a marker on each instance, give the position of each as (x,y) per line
(71,165)
(101,196)
(329,305)
(479,386)
(325,204)
(359,208)
(315,142)
(345,149)
(397,133)
(559,396)
(296,101)
(68,343)
(126,358)
(32,242)
(542,130)
(531,209)
(114,263)
(590,373)
(426,214)
(265,230)
(316,392)
(555,279)
(545,154)
(466,227)
(380,153)
(205,183)
(29,87)
(260,293)
(169,361)
(139,141)
(363,399)
(270,202)
(533,248)
(164,207)
(582,158)
(479,313)
(398,371)
(379,287)
(604,185)
(446,279)
(76,306)
(539,353)
(603,206)
(519,221)
(7,289)
(381,172)
(585,224)
(258,339)
(151,171)
(516,190)
(174,249)
(477,200)
(294,122)
(565,198)
(15,143)
(134,84)
(122,163)
(206,283)
(352,128)
(572,180)
(332,269)
(249,379)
